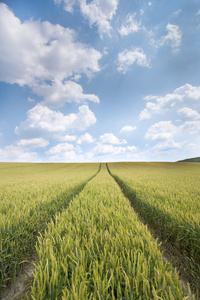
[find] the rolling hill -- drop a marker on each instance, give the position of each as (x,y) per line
(195,159)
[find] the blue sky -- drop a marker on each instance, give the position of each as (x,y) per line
(99,80)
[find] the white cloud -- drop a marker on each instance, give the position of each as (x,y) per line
(190,127)
(42,121)
(127,58)
(181,96)
(109,138)
(100,13)
(33,143)
(163,130)
(97,12)
(64,138)
(164,134)
(16,154)
(53,54)
(151,108)
(60,148)
(68,4)
(85,138)
(127,128)
(64,152)
(130,25)
(108,145)
(58,93)
(171,143)
(188,113)
(166,146)
(172,38)
(131,148)
(192,149)
(108,149)
(188,91)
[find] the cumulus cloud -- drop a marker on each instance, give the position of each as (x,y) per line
(127,128)
(127,58)
(60,148)
(59,93)
(64,138)
(188,114)
(166,146)
(85,138)
(17,154)
(97,12)
(163,130)
(180,97)
(33,143)
(190,92)
(131,148)
(100,13)
(110,149)
(52,55)
(130,25)
(110,138)
(64,152)
(110,144)
(42,121)
(164,135)
(172,38)
(190,127)
(151,108)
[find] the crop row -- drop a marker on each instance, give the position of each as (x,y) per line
(98,249)
(30,195)
(167,195)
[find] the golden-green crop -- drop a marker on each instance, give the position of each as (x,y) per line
(167,195)
(98,249)
(30,195)
(91,243)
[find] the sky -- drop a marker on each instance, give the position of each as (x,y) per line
(99,80)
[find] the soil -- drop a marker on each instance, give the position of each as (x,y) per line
(18,287)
